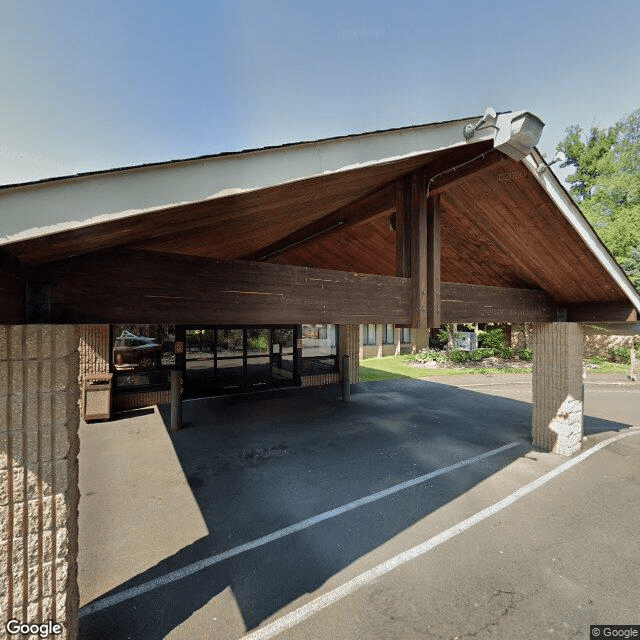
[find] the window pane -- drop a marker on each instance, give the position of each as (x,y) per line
(319,348)
(388,334)
(370,334)
(143,347)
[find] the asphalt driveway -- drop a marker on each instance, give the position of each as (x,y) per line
(266,507)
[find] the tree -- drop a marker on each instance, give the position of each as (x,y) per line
(606,182)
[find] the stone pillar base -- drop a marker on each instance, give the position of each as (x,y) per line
(39,475)
(558,388)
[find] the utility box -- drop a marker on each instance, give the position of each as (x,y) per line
(96,397)
(466,341)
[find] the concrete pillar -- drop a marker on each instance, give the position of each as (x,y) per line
(349,343)
(397,338)
(558,388)
(379,330)
(39,493)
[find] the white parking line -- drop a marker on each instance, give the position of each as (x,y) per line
(178,574)
(326,600)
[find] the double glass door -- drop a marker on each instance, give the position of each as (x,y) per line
(223,360)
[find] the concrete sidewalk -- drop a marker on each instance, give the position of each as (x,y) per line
(245,468)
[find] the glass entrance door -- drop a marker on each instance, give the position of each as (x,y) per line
(224,360)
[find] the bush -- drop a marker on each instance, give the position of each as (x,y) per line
(621,355)
(429,355)
(492,338)
(506,352)
(525,354)
(258,344)
(457,355)
(485,352)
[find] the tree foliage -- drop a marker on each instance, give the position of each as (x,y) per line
(606,183)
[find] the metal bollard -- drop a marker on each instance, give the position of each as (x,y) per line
(176,400)
(346,382)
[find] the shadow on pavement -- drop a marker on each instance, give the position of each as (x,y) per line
(259,464)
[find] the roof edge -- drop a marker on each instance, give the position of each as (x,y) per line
(573,214)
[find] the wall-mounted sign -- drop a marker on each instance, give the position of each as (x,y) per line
(179,347)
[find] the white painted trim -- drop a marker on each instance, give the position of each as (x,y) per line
(39,209)
(576,219)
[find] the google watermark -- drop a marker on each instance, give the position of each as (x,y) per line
(42,629)
(614,631)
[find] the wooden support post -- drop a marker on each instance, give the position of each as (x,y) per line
(419,237)
(297,354)
(433,262)
(176,400)
(634,363)
(403,228)
(346,381)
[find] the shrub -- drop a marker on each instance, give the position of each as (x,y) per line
(429,355)
(492,338)
(621,355)
(258,344)
(506,352)
(457,355)
(525,354)
(476,355)
(485,352)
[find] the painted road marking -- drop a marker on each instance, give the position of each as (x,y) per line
(178,574)
(326,600)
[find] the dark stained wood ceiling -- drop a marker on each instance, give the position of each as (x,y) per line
(499,227)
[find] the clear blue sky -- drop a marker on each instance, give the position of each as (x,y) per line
(91,85)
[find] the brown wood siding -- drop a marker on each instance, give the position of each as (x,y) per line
(320,379)
(129,401)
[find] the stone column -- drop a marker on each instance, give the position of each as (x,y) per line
(558,388)
(379,330)
(350,344)
(39,493)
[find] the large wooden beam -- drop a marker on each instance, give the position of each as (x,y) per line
(148,287)
(403,227)
(12,289)
(433,262)
(602,312)
(475,303)
(419,237)
(381,202)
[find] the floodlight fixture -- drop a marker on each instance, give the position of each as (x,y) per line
(470,129)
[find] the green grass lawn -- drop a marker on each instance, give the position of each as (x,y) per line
(604,366)
(394,367)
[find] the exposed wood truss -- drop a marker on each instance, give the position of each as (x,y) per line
(380,203)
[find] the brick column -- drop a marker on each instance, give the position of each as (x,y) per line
(558,388)
(39,475)
(349,344)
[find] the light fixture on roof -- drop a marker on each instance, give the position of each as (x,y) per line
(470,129)
(559,157)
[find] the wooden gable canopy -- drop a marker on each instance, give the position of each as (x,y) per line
(427,233)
